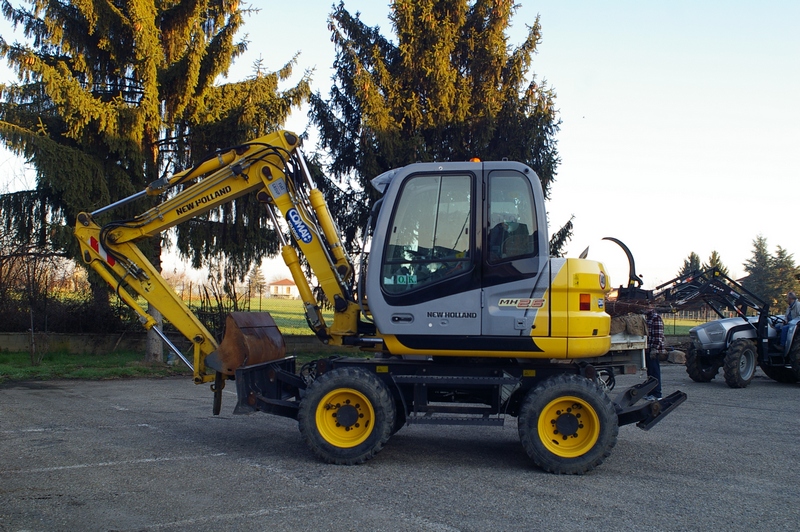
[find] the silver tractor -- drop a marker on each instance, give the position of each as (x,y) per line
(738,344)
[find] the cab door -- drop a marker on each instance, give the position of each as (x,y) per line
(423,278)
(514,254)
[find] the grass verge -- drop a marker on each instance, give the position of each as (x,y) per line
(18,367)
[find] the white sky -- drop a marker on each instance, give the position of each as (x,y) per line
(681,121)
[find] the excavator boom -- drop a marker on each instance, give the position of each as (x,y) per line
(273,169)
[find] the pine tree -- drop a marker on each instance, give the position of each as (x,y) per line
(785,276)
(112,95)
(714,261)
(759,269)
(447,86)
(256,280)
(691,264)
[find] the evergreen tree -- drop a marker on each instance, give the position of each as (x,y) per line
(257,280)
(785,277)
(690,264)
(759,269)
(113,95)
(447,86)
(714,261)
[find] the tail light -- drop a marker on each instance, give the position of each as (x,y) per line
(586,302)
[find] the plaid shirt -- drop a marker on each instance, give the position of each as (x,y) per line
(655,331)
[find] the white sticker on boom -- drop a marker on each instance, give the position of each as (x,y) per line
(278,188)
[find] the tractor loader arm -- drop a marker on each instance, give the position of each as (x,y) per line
(273,170)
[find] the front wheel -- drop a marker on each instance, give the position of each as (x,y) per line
(701,369)
(568,425)
(740,363)
(346,416)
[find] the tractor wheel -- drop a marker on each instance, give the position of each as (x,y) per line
(701,369)
(779,373)
(740,363)
(794,357)
(568,425)
(346,416)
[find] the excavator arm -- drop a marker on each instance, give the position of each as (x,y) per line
(273,170)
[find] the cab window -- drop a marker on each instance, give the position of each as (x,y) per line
(512,231)
(430,236)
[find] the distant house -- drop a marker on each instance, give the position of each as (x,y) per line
(284,289)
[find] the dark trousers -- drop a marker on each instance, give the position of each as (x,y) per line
(654,370)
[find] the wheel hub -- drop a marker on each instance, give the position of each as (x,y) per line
(567,424)
(347,415)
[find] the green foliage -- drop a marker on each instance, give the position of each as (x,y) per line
(757,266)
(256,281)
(36,305)
(560,238)
(448,86)
(771,277)
(785,276)
(239,233)
(714,261)
(690,264)
(111,95)
(17,367)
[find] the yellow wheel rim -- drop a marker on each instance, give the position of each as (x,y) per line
(569,427)
(345,417)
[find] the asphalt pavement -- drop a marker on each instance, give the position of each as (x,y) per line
(148,455)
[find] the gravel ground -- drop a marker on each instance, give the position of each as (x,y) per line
(148,455)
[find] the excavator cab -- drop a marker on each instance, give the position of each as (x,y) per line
(456,264)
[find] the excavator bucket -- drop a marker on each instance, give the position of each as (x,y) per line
(250,338)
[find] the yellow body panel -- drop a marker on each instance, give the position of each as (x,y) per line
(587,331)
(573,333)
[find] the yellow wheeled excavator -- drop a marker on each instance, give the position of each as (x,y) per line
(464,316)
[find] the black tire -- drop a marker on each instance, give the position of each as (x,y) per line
(346,416)
(219,384)
(780,374)
(794,356)
(701,369)
(740,363)
(568,425)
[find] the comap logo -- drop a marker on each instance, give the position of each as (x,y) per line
(299,228)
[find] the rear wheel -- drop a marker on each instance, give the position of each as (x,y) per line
(779,373)
(346,416)
(568,425)
(740,363)
(701,369)
(794,356)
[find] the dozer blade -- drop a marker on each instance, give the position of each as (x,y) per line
(250,338)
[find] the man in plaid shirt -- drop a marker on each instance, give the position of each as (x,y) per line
(655,344)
